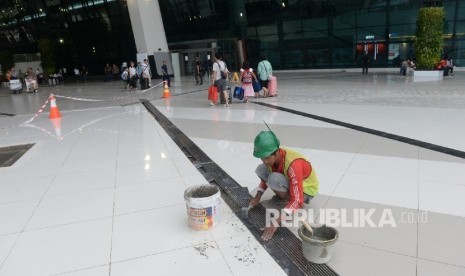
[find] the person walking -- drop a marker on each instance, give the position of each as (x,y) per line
(247,76)
(365,63)
(198,71)
(264,71)
(166,76)
(220,78)
(450,66)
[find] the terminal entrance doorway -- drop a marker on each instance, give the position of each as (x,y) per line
(376,50)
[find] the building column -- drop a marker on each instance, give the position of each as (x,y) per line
(147,26)
(149,32)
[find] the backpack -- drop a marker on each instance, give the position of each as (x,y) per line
(124,75)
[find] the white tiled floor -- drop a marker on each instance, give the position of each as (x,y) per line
(107,198)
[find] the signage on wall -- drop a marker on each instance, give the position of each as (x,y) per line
(369,37)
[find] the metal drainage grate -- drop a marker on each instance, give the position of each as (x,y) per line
(284,247)
(9,155)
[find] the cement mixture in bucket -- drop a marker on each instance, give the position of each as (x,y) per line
(318,248)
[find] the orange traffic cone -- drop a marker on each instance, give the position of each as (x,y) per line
(54,112)
(167,104)
(166,92)
(57,127)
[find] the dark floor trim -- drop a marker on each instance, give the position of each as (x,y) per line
(7,114)
(284,247)
(418,143)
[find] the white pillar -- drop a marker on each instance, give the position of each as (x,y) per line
(147,26)
(176,64)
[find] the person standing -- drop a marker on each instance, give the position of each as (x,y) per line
(146,73)
(198,72)
(132,76)
(264,71)
(115,71)
(84,74)
(365,63)
(76,74)
(166,76)
(107,71)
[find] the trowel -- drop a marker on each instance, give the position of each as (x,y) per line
(245,212)
(307,226)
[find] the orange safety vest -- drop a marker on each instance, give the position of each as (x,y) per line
(311,183)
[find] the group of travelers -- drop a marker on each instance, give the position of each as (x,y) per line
(407,66)
(249,81)
(111,72)
(446,64)
(36,75)
(132,74)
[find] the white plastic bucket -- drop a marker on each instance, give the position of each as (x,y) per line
(202,202)
(318,248)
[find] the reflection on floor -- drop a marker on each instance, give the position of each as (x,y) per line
(101,191)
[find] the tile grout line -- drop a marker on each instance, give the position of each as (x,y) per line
(342,177)
(37,206)
(222,255)
(114,199)
(418,211)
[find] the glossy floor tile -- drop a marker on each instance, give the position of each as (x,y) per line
(102,190)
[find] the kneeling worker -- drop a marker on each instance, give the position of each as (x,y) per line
(288,173)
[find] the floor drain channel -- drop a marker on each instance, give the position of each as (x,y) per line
(9,155)
(285,247)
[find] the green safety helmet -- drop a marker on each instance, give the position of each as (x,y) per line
(265,144)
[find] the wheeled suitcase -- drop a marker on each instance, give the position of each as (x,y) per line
(272,87)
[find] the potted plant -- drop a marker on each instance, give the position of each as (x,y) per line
(429,42)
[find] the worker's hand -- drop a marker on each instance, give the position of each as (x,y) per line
(254,201)
(268,232)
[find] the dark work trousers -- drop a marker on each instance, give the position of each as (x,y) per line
(167,79)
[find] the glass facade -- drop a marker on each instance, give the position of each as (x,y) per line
(87,33)
(298,34)
(293,34)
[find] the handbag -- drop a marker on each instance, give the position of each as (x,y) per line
(213,93)
(256,86)
(238,93)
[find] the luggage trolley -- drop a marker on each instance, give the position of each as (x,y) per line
(16,86)
(31,85)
